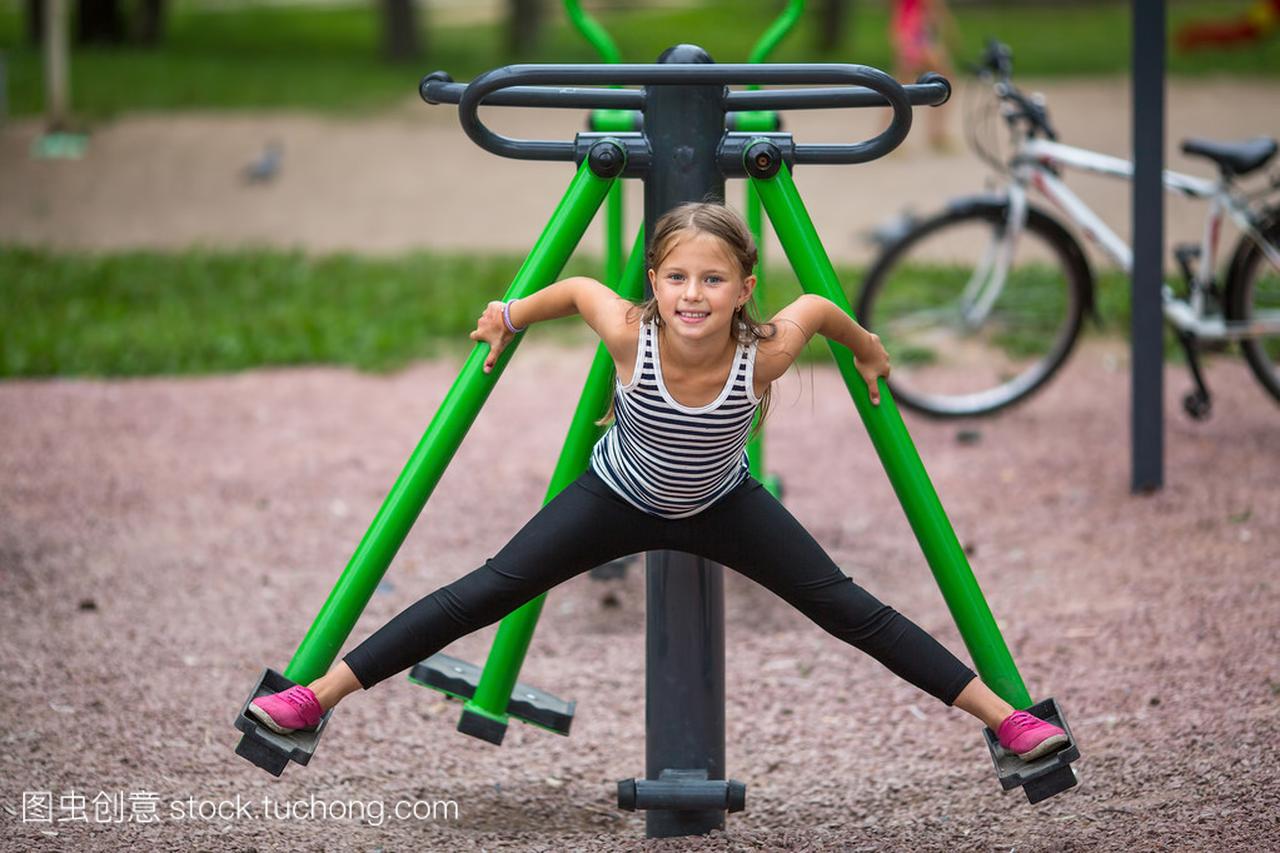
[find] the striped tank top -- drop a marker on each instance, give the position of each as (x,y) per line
(672,460)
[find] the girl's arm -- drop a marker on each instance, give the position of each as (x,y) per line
(816,315)
(602,309)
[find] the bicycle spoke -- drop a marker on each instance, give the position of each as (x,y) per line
(972,320)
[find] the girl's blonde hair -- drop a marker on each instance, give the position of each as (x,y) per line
(700,217)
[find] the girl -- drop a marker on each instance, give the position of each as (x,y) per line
(671,474)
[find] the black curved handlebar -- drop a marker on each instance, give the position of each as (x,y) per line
(554,86)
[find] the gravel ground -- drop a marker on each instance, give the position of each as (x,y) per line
(163,540)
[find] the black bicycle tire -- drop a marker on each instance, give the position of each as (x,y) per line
(1068,251)
(1244,259)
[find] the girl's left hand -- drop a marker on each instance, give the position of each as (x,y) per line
(872,365)
(491,329)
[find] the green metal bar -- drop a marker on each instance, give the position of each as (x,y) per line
(515,632)
(763,121)
(606,121)
(777,31)
(592,31)
(897,452)
(755,446)
(614,121)
(613,225)
(427,464)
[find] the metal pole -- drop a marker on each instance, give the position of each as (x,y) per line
(1147,321)
(684,604)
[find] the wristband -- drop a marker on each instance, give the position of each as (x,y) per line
(506,318)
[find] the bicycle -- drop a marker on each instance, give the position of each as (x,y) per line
(982,303)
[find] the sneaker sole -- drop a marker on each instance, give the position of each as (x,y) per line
(263,717)
(1045,747)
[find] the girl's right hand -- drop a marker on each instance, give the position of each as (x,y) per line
(491,329)
(873,365)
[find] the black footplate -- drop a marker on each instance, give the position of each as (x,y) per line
(459,679)
(1045,776)
(271,750)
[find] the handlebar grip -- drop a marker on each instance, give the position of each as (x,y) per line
(931,90)
(439,88)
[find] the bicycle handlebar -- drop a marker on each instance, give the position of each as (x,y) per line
(997,61)
(1027,108)
(555,86)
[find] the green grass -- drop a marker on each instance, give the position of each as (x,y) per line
(148,313)
(326,57)
(1030,306)
(142,313)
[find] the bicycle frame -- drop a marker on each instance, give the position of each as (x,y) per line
(1035,164)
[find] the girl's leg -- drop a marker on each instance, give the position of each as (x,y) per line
(584,526)
(332,687)
(981,701)
(751,532)
(754,534)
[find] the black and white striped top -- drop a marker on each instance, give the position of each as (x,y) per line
(668,459)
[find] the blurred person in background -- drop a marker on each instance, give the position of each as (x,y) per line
(920,31)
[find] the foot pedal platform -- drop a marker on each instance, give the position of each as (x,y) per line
(270,750)
(459,679)
(1045,776)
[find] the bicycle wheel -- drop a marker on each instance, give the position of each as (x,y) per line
(1253,290)
(972,321)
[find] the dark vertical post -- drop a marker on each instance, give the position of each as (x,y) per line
(1147,326)
(684,602)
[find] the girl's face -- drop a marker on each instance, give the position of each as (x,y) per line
(699,286)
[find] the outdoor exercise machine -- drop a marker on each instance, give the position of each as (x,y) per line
(684,152)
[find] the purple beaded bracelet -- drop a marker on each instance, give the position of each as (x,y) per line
(506,318)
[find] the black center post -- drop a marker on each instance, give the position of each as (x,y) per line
(684,601)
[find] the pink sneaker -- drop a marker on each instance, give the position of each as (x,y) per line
(295,709)
(1029,736)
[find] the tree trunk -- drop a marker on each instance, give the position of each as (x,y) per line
(57,84)
(99,21)
(400,41)
(833,17)
(523,23)
(149,28)
(35,22)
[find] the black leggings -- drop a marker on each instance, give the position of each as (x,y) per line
(587,525)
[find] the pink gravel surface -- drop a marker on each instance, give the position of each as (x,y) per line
(162,540)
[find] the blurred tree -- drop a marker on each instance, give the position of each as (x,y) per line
(149,26)
(99,21)
(523,24)
(400,35)
(833,18)
(106,21)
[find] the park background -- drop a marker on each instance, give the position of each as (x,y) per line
(211,381)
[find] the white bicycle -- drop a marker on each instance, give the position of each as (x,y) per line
(981,303)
